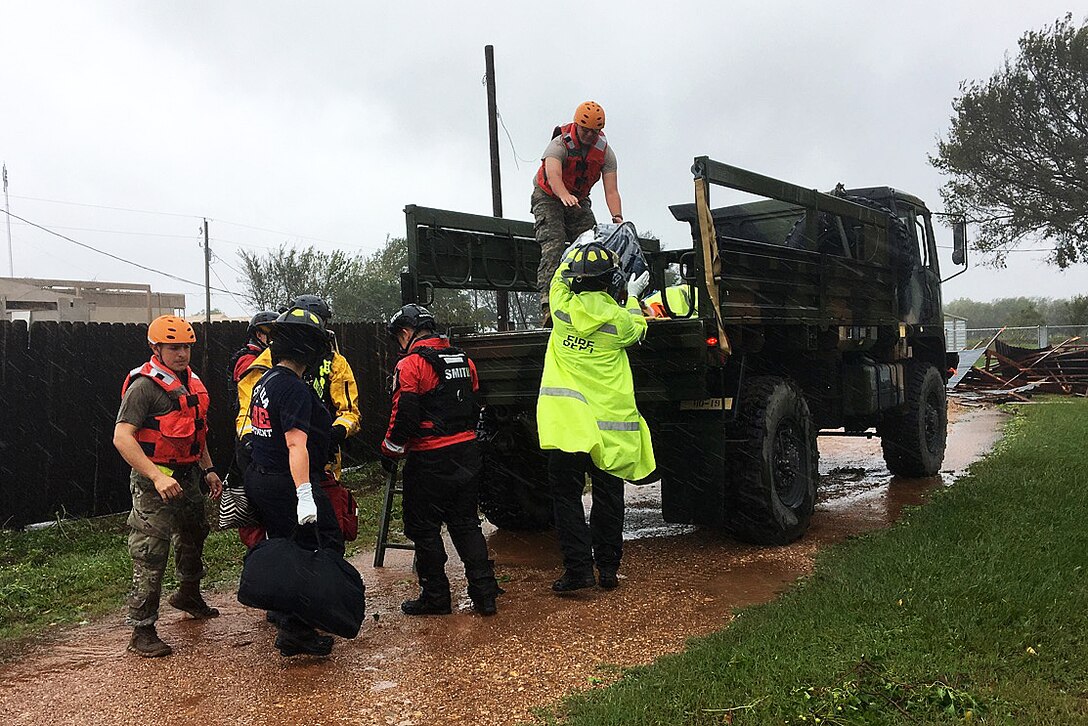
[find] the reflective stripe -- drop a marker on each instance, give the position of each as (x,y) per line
(606,328)
(567,392)
(618,425)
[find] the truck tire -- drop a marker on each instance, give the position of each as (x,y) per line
(514,493)
(913,442)
(773,464)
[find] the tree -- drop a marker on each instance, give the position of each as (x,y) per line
(1017,151)
(357,287)
(273,279)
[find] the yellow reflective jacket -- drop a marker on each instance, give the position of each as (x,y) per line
(587,396)
(678,296)
(334,384)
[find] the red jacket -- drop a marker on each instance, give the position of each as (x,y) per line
(176,437)
(581,168)
(243,360)
(415,420)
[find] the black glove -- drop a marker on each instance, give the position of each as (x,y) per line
(389,464)
(339,434)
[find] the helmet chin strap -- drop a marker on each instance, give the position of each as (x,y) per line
(417,334)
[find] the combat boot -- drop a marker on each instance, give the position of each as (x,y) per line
(485,606)
(424,605)
(145,641)
(188,599)
(571,581)
(303,642)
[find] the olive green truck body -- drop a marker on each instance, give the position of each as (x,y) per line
(816,313)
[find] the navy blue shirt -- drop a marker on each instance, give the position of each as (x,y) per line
(281,402)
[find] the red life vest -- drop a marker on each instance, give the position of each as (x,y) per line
(176,437)
(581,168)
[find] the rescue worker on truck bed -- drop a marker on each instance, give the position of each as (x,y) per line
(161,432)
(577,157)
(586,414)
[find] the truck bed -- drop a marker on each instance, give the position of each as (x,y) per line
(670,365)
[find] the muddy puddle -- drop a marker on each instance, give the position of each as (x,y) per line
(677,582)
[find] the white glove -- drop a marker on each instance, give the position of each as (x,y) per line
(637,284)
(306,509)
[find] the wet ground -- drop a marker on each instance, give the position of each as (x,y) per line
(677,582)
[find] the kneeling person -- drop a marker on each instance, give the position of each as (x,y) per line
(433,424)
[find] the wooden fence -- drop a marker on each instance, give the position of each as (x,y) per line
(60,386)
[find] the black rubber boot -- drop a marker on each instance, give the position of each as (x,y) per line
(485,606)
(304,642)
(607,580)
(146,642)
(570,582)
(188,599)
(424,605)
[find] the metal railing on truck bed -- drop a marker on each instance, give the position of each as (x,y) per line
(760,282)
(670,365)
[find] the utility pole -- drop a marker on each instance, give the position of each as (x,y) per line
(207,298)
(7,215)
(502,297)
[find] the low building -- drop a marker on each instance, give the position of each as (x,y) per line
(86,301)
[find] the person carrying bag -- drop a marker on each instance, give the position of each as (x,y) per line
(292,431)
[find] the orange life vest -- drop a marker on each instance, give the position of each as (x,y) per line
(176,437)
(581,168)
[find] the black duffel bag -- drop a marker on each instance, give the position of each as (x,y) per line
(317,586)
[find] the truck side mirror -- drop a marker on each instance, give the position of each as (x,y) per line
(959,243)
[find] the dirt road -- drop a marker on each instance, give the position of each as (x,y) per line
(677,582)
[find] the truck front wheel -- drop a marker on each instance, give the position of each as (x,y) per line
(914,441)
(773,464)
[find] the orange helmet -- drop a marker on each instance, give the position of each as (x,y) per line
(590,115)
(170,329)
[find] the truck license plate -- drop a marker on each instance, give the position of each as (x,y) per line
(707,404)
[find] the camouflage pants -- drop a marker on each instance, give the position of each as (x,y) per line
(556,227)
(154,524)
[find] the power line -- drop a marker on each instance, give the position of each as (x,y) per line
(511,140)
(121,231)
(220,259)
(102,206)
(233,296)
(111,255)
(242,244)
(185,216)
(276,231)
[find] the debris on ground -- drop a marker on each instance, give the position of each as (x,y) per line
(1006,373)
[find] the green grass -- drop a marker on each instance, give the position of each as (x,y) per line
(975,608)
(78,569)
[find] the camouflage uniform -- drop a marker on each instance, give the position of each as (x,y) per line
(155,523)
(556,227)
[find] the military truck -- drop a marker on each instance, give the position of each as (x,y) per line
(815,312)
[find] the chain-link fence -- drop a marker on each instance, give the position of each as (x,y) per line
(1030,336)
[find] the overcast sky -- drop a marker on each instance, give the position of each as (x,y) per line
(316,122)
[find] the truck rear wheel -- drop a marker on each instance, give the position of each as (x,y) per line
(913,442)
(514,492)
(773,463)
